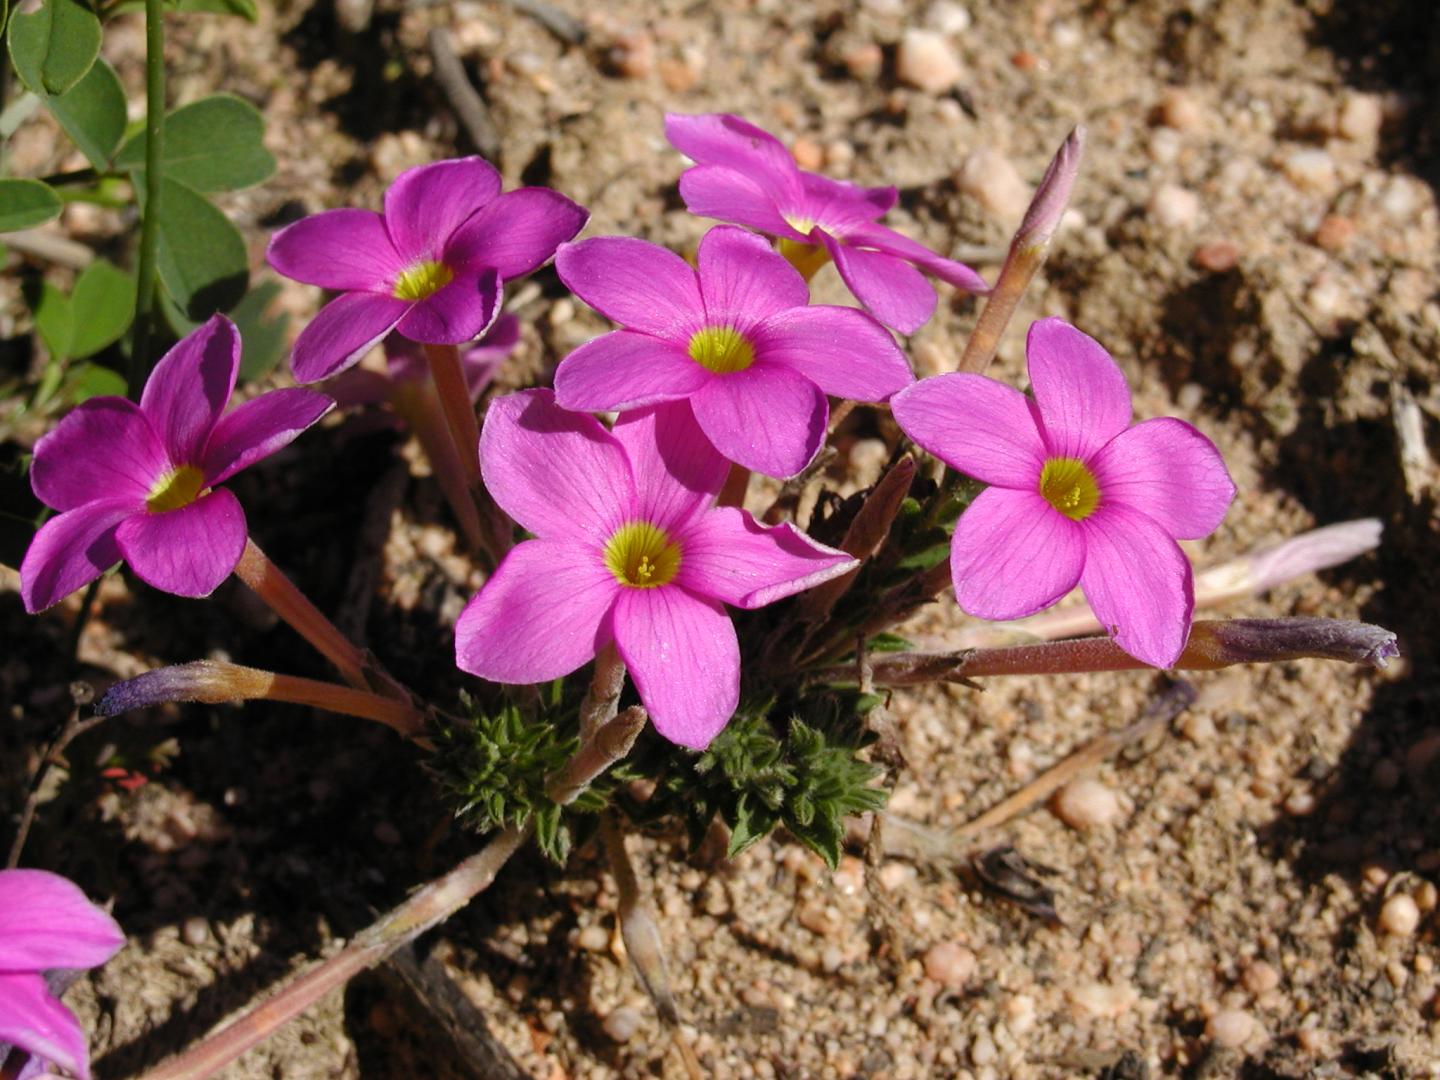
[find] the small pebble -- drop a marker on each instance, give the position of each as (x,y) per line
(1179,110)
(947,17)
(622,1024)
(926,61)
(1313,1041)
(195,931)
(593,938)
(633,54)
(1334,232)
(982,1050)
(1217,256)
(831,959)
(1426,896)
(864,61)
(680,74)
(1020,1013)
(1230,1028)
(1310,170)
(1109,1001)
(1260,978)
(1399,915)
(950,964)
(1174,207)
(1401,199)
(1087,803)
(839,155)
(988,177)
(808,153)
(1360,117)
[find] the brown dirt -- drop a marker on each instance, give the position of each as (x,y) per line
(1267,828)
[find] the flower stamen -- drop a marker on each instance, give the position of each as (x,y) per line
(642,556)
(721,349)
(1070,487)
(178,488)
(422,280)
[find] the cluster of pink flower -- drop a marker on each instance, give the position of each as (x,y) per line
(721,366)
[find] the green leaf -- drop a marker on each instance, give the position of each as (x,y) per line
(214,144)
(93,113)
(24,203)
(263,336)
(92,380)
(55,320)
(202,259)
(104,303)
(53,48)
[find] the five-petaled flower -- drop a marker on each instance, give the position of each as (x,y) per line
(737,339)
(139,482)
(629,550)
(745,175)
(1076,493)
(431,267)
(47,926)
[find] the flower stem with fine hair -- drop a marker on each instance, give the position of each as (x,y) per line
(154,182)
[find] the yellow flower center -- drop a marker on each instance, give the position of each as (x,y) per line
(422,280)
(179,487)
(1070,487)
(807,258)
(721,349)
(642,556)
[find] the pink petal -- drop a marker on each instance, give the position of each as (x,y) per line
(839,207)
(634,283)
(559,474)
(103,449)
(895,292)
(342,332)
(766,418)
(1139,584)
(258,428)
(542,614)
(339,249)
(40,1024)
(426,204)
(893,243)
(1079,390)
(677,472)
(726,194)
(625,370)
(683,658)
(728,556)
(483,358)
(46,921)
(1013,554)
(723,139)
(516,233)
(190,387)
(188,551)
(979,426)
(842,350)
(744,280)
(1168,471)
(457,313)
(72,550)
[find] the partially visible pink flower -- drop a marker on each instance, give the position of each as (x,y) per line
(628,548)
(745,175)
(406,365)
(1076,495)
(140,482)
(431,267)
(47,924)
(738,339)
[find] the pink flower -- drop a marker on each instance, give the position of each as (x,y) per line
(431,267)
(738,340)
(628,549)
(47,924)
(745,175)
(139,482)
(1076,493)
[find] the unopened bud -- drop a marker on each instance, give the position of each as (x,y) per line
(1266,641)
(1053,195)
(1315,550)
(207,681)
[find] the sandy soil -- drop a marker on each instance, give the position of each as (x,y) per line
(1254,237)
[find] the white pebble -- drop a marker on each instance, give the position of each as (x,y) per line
(1020,1013)
(1260,978)
(1400,915)
(1180,110)
(947,17)
(593,938)
(1360,117)
(1400,201)
(1087,803)
(1311,170)
(1230,1028)
(926,61)
(950,964)
(988,177)
(622,1024)
(1174,207)
(982,1050)
(1106,1000)
(195,930)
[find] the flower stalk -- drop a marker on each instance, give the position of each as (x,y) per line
(145,274)
(420,406)
(454,394)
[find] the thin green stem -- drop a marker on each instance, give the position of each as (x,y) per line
(154,182)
